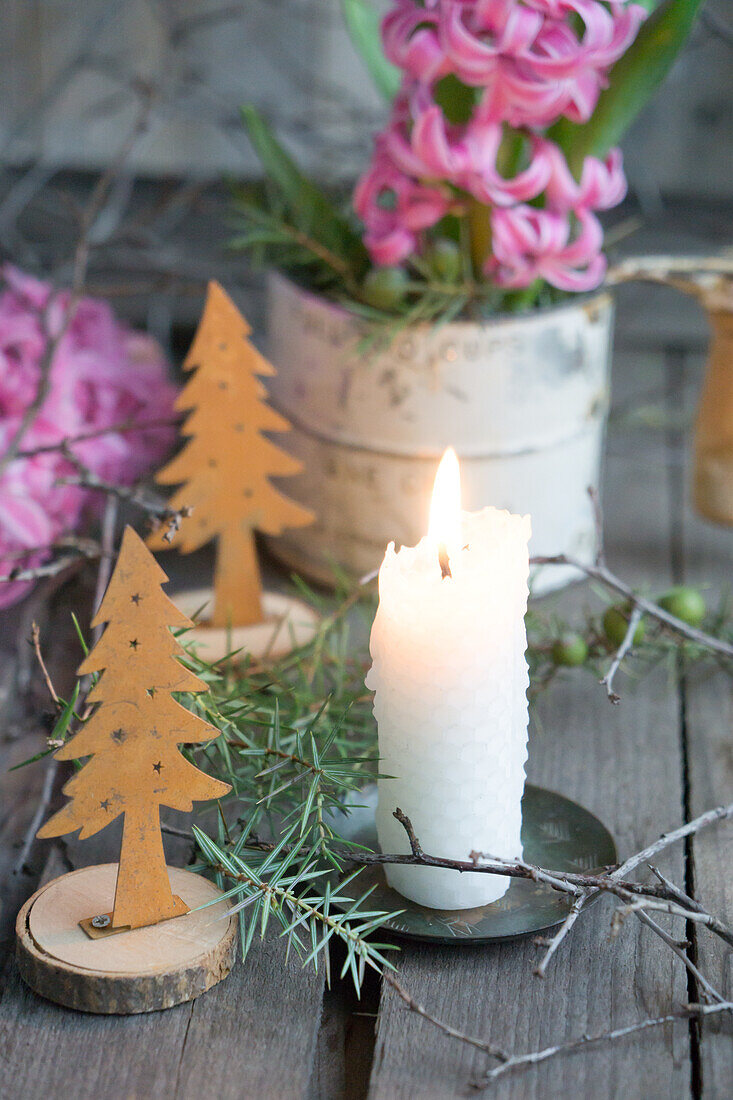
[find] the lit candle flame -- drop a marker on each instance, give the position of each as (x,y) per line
(444,527)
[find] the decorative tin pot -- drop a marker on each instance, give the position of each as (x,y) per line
(523,399)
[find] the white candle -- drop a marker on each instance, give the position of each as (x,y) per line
(450,680)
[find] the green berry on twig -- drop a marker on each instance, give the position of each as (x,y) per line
(384,287)
(444,259)
(571,651)
(616,623)
(684,603)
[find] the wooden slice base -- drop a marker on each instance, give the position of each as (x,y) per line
(136,971)
(288,624)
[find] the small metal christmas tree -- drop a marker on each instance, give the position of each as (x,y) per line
(132,738)
(224,469)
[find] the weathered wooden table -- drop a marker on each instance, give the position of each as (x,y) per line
(663,755)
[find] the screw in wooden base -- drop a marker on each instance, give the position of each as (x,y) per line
(288,624)
(140,970)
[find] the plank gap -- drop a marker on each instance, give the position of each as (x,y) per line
(674,359)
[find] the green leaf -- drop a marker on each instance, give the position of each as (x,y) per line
(310,209)
(362,22)
(632,81)
(59,731)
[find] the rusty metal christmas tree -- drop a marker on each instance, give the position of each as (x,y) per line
(224,469)
(132,738)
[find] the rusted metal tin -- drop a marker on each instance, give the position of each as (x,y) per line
(523,399)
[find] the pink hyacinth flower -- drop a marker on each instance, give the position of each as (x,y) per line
(102,374)
(410,41)
(464,156)
(395,208)
(531,244)
(602,182)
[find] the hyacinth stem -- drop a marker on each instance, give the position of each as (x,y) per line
(479,222)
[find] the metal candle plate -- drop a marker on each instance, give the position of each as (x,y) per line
(556,833)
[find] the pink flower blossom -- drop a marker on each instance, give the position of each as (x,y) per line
(424,146)
(529,244)
(529,62)
(395,208)
(103,373)
(602,182)
(410,39)
(529,55)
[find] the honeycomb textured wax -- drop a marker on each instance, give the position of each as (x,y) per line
(450,680)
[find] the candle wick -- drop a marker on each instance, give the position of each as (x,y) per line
(444,561)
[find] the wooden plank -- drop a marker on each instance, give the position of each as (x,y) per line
(625,765)
(706,559)
(253,1035)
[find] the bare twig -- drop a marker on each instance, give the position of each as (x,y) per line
(101,191)
(702,981)
(714,924)
(109,522)
(51,568)
(720,813)
(80,264)
(44,383)
(407,826)
(604,576)
(697,270)
(522,1061)
(123,427)
(718,26)
(38,816)
(36,643)
(690,828)
(570,882)
(130,494)
(453,1033)
(672,909)
(623,649)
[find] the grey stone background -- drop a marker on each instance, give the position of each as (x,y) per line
(70,78)
(66,70)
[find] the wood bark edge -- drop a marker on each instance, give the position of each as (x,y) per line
(118,994)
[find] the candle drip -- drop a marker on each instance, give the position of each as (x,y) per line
(444,561)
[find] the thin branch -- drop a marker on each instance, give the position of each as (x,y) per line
(36,643)
(407,826)
(702,981)
(718,26)
(623,649)
(80,264)
(123,427)
(49,569)
(522,1061)
(672,909)
(666,268)
(109,522)
(568,882)
(720,813)
(130,494)
(453,1033)
(39,815)
(604,576)
(44,382)
(715,925)
(101,191)
(690,828)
